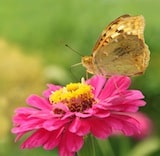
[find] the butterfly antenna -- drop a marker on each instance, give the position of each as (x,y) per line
(73,50)
(75,65)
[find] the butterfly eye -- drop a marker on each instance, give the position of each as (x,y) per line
(87,59)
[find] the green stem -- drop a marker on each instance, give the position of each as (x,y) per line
(105,147)
(92,140)
(89,147)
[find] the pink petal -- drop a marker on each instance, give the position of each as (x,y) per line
(28,126)
(99,128)
(79,126)
(37,139)
(61,106)
(54,123)
(100,111)
(97,82)
(122,122)
(39,102)
(145,124)
(19,135)
(51,88)
(54,139)
(22,114)
(74,142)
(133,95)
(70,143)
(122,104)
(114,85)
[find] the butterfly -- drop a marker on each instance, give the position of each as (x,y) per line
(120,49)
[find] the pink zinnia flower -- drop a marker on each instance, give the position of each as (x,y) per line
(66,114)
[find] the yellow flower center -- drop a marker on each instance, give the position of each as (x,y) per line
(77,96)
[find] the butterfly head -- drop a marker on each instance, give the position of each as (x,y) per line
(87,62)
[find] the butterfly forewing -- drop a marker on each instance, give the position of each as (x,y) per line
(125,24)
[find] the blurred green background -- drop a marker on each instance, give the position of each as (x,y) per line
(33,34)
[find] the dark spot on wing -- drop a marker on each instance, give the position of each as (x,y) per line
(120,31)
(104,35)
(120,51)
(109,28)
(105,41)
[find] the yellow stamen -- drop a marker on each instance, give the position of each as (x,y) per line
(77,96)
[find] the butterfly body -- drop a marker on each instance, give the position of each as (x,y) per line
(120,50)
